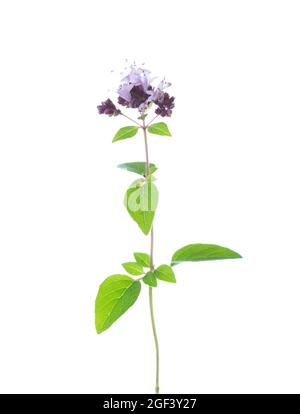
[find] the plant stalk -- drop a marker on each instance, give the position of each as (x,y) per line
(152,268)
(132,120)
(155,340)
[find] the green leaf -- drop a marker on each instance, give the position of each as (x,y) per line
(138,167)
(166,273)
(116,294)
(150,279)
(133,268)
(160,128)
(198,252)
(126,132)
(141,202)
(143,259)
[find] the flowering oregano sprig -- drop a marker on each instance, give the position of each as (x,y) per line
(136,91)
(118,292)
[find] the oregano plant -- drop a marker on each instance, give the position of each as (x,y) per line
(118,292)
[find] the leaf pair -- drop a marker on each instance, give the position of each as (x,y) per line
(160,128)
(138,167)
(137,268)
(163,272)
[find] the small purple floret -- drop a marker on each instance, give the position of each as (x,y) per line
(108,108)
(165,104)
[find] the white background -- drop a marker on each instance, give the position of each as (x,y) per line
(229,175)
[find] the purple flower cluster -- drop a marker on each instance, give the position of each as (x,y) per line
(137,92)
(165,104)
(108,108)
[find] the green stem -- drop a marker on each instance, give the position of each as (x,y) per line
(155,340)
(146,149)
(153,119)
(152,268)
(130,119)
